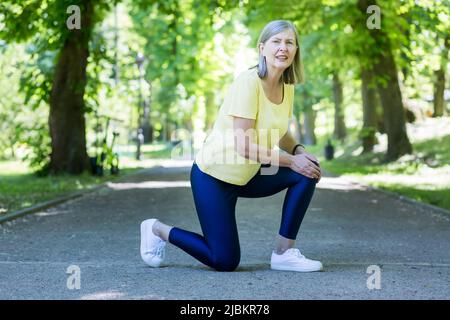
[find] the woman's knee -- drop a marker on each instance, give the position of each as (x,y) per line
(300,178)
(226,262)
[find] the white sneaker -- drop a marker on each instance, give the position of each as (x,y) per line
(152,246)
(293,260)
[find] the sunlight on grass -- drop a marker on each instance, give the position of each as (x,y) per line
(430,128)
(131,149)
(20,188)
(149,185)
(424,175)
(418,181)
(13,167)
(144,163)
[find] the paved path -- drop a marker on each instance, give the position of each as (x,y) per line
(347,227)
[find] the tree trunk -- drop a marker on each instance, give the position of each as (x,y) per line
(439,82)
(13,153)
(340,131)
(299,123)
(438,95)
(309,119)
(66,118)
(148,118)
(146,126)
(381,128)
(385,71)
(391,101)
(369,110)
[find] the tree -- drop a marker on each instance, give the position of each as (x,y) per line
(439,81)
(338,94)
(49,23)
(385,71)
(67,123)
(429,31)
(368,93)
(179,44)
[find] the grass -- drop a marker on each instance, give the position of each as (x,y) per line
(149,151)
(21,188)
(423,176)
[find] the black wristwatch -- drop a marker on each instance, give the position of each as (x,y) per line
(295,148)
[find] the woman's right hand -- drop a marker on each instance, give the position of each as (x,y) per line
(302,164)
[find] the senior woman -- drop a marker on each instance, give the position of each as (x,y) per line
(237,159)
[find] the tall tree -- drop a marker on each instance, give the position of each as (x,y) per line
(179,45)
(66,120)
(309,119)
(64,27)
(338,94)
(368,93)
(385,71)
(439,81)
(430,32)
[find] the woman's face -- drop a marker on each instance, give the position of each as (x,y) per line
(279,49)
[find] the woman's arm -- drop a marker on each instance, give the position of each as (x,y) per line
(246,147)
(302,162)
(288,142)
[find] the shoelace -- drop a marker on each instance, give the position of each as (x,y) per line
(298,253)
(159,249)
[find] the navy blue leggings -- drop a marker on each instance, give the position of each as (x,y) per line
(215,201)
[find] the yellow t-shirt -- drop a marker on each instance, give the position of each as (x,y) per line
(245,99)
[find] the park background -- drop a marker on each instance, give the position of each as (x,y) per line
(378,94)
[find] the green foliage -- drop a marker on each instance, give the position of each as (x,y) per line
(38,142)
(183,63)
(10,102)
(367,132)
(22,20)
(186,45)
(36,78)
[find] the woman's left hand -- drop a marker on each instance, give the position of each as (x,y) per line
(313,159)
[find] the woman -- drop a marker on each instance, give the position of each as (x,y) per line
(259,101)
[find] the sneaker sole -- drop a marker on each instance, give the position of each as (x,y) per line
(285,268)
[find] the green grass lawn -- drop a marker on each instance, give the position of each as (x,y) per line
(21,188)
(424,176)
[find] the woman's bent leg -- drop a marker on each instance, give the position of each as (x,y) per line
(297,199)
(215,202)
(296,202)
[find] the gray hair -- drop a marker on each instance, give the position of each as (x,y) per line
(294,73)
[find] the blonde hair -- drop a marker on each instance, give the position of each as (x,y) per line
(294,73)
